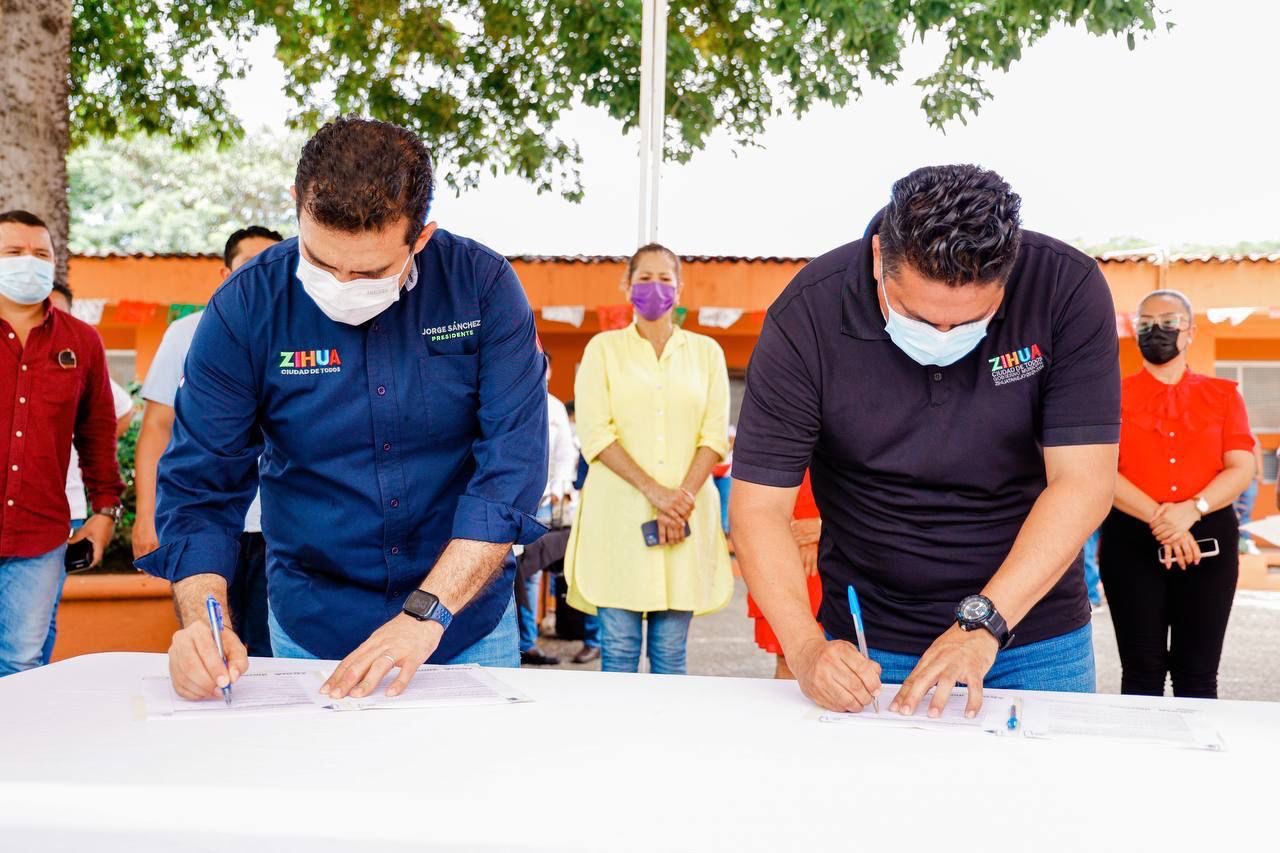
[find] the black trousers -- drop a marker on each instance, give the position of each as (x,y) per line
(1169,621)
(247,596)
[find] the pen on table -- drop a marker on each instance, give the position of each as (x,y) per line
(855,610)
(215,624)
(1013,717)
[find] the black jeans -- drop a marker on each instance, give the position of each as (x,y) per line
(247,596)
(1169,621)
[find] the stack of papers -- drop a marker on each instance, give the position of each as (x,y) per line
(298,692)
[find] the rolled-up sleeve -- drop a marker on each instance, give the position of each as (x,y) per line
(511,450)
(592,406)
(714,431)
(209,474)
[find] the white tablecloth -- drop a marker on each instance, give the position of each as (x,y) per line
(599,762)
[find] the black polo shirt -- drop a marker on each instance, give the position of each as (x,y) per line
(924,475)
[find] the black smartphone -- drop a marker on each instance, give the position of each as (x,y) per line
(650,531)
(79,555)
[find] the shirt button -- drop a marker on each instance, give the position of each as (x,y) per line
(9,502)
(937,377)
(1173,488)
(382,390)
(24,367)
(15,467)
(19,433)
(395,502)
(22,399)
(12,336)
(1172,460)
(386,445)
(1172,434)
(395,549)
(377,326)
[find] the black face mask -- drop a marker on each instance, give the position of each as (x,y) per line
(1159,346)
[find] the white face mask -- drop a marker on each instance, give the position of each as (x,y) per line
(353,302)
(925,344)
(26,279)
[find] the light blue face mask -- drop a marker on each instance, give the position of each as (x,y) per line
(26,279)
(925,344)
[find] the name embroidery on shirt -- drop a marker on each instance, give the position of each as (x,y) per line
(1017,365)
(464,329)
(304,362)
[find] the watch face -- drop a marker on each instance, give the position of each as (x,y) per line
(975,608)
(420,603)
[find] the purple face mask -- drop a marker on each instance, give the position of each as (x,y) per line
(652,299)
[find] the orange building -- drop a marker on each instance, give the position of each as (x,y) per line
(139,290)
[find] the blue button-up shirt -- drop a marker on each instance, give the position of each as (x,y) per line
(379,443)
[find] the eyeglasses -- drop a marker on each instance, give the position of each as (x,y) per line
(1168,322)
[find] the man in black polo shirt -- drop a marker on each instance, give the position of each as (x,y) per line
(953,383)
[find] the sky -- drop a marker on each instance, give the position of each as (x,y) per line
(1175,142)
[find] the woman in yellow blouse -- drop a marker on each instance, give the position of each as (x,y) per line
(653,416)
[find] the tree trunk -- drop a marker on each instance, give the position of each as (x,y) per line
(35,56)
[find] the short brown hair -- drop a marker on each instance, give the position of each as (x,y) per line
(649,248)
(23,217)
(358,174)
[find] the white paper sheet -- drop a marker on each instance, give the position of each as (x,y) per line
(431,687)
(253,693)
(1265,528)
(1046,718)
(994,713)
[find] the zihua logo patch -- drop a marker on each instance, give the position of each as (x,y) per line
(310,361)
(1017,365)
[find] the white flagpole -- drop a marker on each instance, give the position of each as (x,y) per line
(646,122)
(657,111)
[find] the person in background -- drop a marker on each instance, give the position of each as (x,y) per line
(1243,505)
(247,595)
(555,510)
(722,476)
(806,527)
(1091,577)
(590,650)
(53,375)
(1186,454)
(61,298)
(653,418)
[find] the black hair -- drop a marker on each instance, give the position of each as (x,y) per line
(648,248)
(359,175)
(956,224)
(238,237)
(23,217)
(569,407)
(61,287)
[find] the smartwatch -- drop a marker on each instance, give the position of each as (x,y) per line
(977,611)
(426,607)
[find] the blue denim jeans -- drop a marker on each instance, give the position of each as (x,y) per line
(591,632)
(497,648)
(1063,664)
(527,611)
(723,484)
(620,635)
(1091,575)
(29,588)
(1244,507)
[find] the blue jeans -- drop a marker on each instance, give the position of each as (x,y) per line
(497,648)
(620,633)
(591,632)
(1244,508)
(1063,664)
(29,588)
(1091,575)
(527,611)
(722,486)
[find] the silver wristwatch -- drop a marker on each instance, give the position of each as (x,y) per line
(115,513)
(1202,506)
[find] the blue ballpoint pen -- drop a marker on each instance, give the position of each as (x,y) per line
(215,624)
(855,610)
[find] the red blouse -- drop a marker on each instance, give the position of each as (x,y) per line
(1173,437)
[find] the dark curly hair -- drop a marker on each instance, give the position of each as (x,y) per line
(957,224)
(237,237)
(359,175)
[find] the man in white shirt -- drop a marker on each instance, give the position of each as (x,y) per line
(247,596)
(555,510)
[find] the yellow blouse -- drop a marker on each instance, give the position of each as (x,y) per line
(661,410)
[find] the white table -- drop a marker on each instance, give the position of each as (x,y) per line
(633,763)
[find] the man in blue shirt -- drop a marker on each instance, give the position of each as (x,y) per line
(389,376)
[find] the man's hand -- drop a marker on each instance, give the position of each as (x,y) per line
(1171,521)
(145,539)
(1182,550)
(97,529)
(196,669)
(957,657)
(835,674)
(404,642)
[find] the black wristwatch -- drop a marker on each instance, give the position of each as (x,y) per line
(426,607)
(977,611)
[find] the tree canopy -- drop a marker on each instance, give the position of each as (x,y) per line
(486,81)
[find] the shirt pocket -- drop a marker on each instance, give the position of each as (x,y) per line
(57,390)
(450,386)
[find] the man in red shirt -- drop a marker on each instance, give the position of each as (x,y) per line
(53,385)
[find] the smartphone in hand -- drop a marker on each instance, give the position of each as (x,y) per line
(79,555)
(650,531)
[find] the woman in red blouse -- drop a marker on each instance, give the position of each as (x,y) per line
(1186,453)
(806,527)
